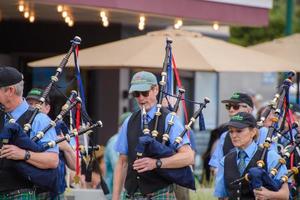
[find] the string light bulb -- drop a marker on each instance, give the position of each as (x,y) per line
(216,26)
(26,14)
(64,14)
(178,24)
(67,19)
(105,23)
(141,25)
(104,18)
(71,23)
(142,19)
(59,8)
(102,14)
(31,18)
(21,6)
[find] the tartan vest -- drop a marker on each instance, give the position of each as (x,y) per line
(231,173)
(9,178)
(146,182)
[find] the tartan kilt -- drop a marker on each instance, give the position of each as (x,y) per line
(166,193)
(21,196)
(46,196)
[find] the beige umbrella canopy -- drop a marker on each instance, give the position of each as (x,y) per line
(192,51)
(286,48)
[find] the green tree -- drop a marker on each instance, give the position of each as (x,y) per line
(247,36)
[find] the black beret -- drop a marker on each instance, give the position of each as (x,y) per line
(9,76)
(238,97)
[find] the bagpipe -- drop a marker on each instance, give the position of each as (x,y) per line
(258,176)
(149,146)
(74,43)
(90,163)
(13,133)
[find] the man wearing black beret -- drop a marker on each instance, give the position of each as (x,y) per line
(12,184)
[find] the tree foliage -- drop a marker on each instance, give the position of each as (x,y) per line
(247,36)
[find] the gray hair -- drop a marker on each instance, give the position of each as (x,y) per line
(18,86)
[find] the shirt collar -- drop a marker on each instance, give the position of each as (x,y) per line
(151,112)
(250,150)
(20,109)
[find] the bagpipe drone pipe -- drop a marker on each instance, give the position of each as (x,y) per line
(90,163)
(13,133)
(148,146)
(258,176)
(74,43)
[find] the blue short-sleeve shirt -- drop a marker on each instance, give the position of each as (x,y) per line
(122,143)
(39,123)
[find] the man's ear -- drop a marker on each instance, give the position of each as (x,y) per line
(47,107)
(156,90)
(12,90)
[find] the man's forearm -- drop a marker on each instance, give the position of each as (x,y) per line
(70,158)
(180,159)
(44,160)
(119,178)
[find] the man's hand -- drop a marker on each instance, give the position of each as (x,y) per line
(261,193)
(144,164)
(12,152)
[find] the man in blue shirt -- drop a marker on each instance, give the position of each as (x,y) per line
(144,88)
(245,155)
(67,154)
(12,184)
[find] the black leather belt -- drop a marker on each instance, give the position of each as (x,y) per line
(17,192)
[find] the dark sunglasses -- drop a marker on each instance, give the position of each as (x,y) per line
(137,94)
(234,106)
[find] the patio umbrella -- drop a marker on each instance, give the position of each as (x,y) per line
(192,51)
(286,48)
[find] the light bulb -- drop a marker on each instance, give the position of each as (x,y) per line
(31,18)
(102,14)
(216,26)
(105,23)
(64,14)
(67,19)
(179,22)
(21,7)
(59,8)
(142,18)
(26,14)
(71,23)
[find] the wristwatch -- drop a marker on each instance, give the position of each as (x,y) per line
(158,163)
(27,155)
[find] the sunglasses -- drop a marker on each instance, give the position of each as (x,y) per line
(234,106)
(137,94)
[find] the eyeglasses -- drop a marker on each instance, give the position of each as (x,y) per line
(137,94)
(234,106)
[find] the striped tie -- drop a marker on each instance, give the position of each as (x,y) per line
(242,163)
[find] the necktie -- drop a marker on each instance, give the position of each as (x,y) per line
(242,163)
(148,118)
